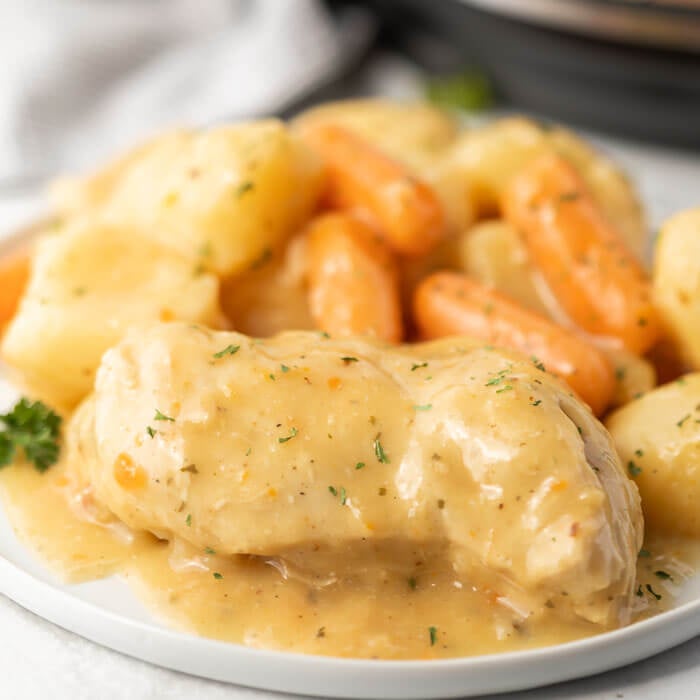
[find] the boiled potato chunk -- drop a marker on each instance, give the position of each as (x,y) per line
(677,283)
(658,439)
(489,156)
(493,253)
(410,132)
(272,297)
(89,283)
(225,196)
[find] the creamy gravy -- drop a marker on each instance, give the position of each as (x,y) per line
(257,603)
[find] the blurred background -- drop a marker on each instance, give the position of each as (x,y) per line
(82,80)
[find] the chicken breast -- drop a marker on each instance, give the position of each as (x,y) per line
(319,452)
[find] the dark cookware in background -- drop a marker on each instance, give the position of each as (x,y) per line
(631,68)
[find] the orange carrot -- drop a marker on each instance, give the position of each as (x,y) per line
(599,283)
(353,279)
(449,303)
(360,177)
(14,274)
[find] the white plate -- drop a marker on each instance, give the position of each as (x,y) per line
(107,613)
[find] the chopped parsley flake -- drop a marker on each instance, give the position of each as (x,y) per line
(347,360)
(633,469)
(262,259)
(639,453)
(209,550)
(569,196)
(498,378)
(284,369)
(507,387)
(151,432)
(188,520)
(412,583)
(538,364)
(359,465)
(683,420)
(217,576)
(424,407)
(333,490)
(343,496)
(162,416)
(379,451)
(663,575)
(644,553)
(293,432)
(653,592)
(228,350)
(433,635)
(244,187)
(419,365)
(536,403)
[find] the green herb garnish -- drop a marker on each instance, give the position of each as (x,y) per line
(379,451)
(228,350)
(34,428)
(653,592)
(470,91)
(162,416)
(433,635)
(633,469)
(293,432)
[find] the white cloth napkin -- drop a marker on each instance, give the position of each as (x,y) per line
(80,80)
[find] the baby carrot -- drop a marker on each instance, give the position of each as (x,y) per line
(361,177)
(449,303)
(599,283)
(353,279)
(14,273)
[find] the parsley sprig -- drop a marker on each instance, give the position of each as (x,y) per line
(33,428)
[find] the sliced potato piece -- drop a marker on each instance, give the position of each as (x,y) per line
(88,285)
(677,283)
(658,439)
(492,253)
(225,195)
(271,297)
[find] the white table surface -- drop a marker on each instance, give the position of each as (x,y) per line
(39,660)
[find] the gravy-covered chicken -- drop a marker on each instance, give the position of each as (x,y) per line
(321,452)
